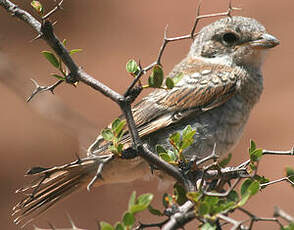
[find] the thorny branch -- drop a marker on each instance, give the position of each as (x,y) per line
(185,212)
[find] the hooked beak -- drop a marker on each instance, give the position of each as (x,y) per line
(265,41)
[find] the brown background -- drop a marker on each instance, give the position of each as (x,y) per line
(110,32)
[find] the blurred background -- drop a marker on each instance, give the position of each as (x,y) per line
(110,32)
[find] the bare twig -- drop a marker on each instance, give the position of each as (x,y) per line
(277,181)
(281,213)
(57,7)
(39,89)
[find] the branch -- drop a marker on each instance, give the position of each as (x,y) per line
(183,216)
(40,89)
(281,213)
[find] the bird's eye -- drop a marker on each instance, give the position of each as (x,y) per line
(230,38)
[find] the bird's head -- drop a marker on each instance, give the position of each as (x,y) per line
(233,41)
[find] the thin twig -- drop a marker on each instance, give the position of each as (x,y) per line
(39,89)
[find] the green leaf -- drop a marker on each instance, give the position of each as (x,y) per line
(165,157)
(51,58)
(132,199)
(175,138)
(120,147)
(194,196)
(233,196)
(128,219)
(203,208)
(180,194)
(187,137)
(154,211)
(58,77)
(107,134)
(261,179)
(255,155)
(253,188)
(105,226)
(119,226)
(169,83)
(112,149)
(208,226)
(177,78)
(172,155)
(115,123)
(290,174)
(37,6)
(225,161)
(252,146)
(74,51)
(245,185)
(160,149)
(64,42)
(132,66)
(248,189)
(288,227)
(211,200)
(157,76)
(117,127)
(142,203)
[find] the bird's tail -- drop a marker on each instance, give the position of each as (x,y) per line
(51,185)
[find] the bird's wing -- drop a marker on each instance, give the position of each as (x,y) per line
(202,88)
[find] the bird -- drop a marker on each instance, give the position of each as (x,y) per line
(220,84)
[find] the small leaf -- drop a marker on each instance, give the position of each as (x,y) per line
(151,81)
(64,42)
(165,157)
(175,138)
(112,149)
(105,226)
(51,58)
(132,199)
(208,226)
(225,161)
(128,219)
(180,193)
(157,75)
(119,226)
(58,77)
(252,146)
(177,78)
(288,227)
(74,51)
(290,174)
(142,203)
(107,134)
(172,155)
(160,149)
(203,209)
(233,196)
(248,189)
(245,185)
(37,6)
(115,123)
(253,188)
(119,128)
(132,66)
(120,147)
(194,196)
(169,83)
(154,211)
(255,155)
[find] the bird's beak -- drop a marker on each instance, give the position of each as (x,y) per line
(265,41)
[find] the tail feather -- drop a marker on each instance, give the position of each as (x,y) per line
(52,185)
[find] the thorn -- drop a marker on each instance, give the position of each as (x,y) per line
(37,37)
